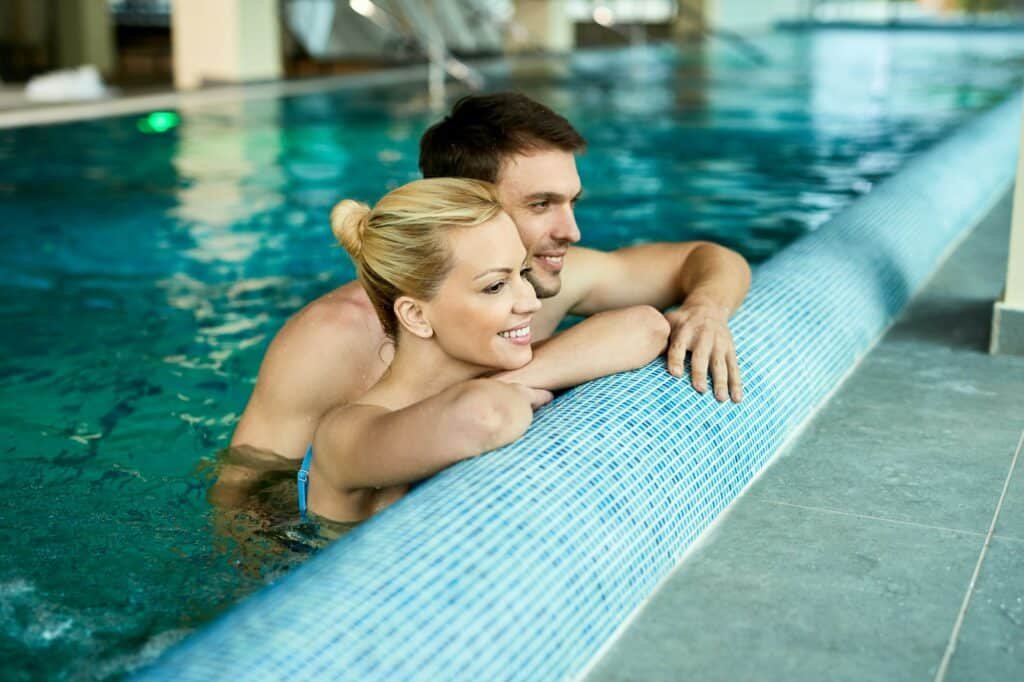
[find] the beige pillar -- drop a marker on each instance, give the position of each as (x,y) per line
(1015,273)
(1008,319)
(543,24)
(227,41)
(85,35)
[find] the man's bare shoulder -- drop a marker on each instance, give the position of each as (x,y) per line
(334,319)
(335,332)
(579,259)
(328,353)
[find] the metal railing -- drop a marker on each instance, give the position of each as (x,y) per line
(399,27)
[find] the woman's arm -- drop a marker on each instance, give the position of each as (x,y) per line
(603,344)
(362,446)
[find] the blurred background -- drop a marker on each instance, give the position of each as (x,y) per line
(146,45)
(153,245)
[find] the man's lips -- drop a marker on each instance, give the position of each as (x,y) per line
(552,261)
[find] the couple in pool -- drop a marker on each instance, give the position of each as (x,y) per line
(446,344)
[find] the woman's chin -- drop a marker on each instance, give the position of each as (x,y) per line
(511,359)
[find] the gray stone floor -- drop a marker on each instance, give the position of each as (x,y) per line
(851,557)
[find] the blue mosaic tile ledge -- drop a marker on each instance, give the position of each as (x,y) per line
(523,563)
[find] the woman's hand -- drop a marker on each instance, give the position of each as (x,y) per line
(539,397)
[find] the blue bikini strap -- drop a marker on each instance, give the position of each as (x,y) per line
(303,480)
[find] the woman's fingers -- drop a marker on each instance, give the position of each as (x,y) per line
(540,396)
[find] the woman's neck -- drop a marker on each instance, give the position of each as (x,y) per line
(420,369)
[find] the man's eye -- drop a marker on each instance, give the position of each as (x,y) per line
(539,205)
(495,288)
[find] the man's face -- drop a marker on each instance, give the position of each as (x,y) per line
(539,190)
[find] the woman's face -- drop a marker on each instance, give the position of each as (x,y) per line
(482,311)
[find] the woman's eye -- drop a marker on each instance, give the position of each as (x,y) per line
(495,288)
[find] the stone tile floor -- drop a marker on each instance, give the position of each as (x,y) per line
(852,557)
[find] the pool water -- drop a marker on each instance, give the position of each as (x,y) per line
(143,274)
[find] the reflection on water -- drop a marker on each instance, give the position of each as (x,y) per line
(143,275)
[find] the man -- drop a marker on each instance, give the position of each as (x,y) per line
(334,350)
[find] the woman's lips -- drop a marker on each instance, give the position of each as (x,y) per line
(520,336)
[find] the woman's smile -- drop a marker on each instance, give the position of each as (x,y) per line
(520,335)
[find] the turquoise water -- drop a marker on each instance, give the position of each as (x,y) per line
(144,273)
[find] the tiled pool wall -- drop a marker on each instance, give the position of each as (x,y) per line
(524,564)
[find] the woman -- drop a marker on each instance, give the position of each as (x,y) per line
(445,270)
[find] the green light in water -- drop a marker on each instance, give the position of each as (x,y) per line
(158,122)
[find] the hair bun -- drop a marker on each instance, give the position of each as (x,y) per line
(348,223)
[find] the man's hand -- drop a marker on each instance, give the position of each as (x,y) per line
(703,330)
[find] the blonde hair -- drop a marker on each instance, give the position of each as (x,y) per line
(400,246)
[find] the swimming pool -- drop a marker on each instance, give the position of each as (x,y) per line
(144,273)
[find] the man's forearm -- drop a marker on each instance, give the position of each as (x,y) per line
(715,276)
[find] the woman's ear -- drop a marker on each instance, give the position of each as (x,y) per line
(412,317)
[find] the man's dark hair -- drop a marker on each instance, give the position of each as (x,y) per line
(483,130)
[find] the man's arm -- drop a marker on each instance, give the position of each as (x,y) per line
(709,281)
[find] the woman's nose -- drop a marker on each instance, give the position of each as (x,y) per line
(527,301)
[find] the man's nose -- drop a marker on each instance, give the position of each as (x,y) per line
(566,230)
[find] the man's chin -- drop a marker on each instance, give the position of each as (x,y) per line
(546,286)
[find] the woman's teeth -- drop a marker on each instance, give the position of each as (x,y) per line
(515,333)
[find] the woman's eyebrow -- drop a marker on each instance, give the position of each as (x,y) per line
(507,271)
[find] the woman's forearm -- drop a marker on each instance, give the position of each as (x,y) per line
(603,344)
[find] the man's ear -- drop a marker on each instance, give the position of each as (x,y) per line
(412,316)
